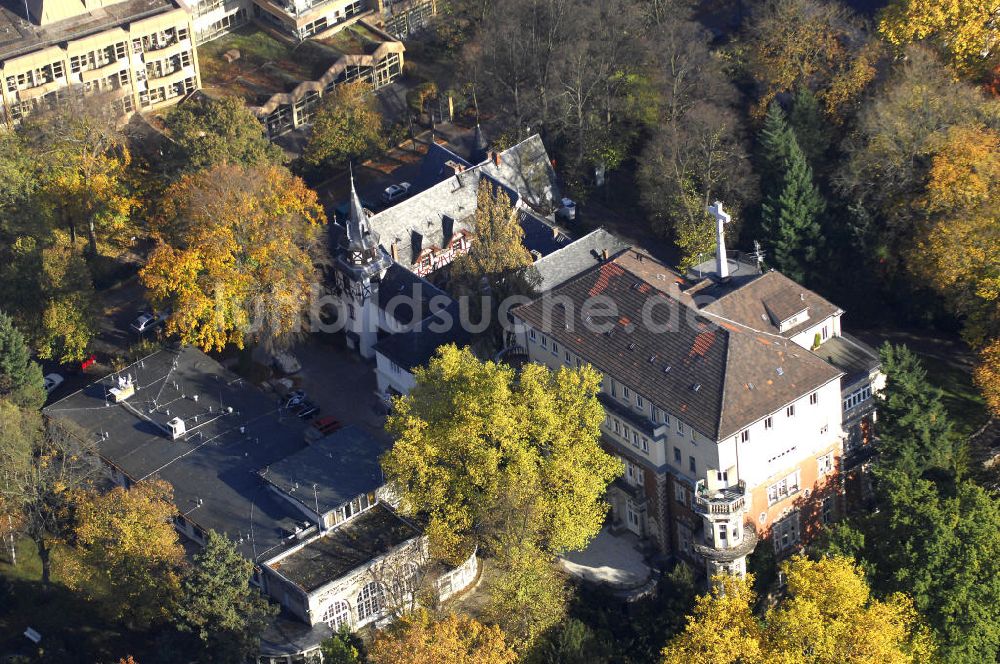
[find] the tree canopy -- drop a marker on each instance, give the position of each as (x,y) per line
(206,131)
(484,456)
(130,554)
(965,31)
(219,605)
(419,638)
(828,616)
(347,126)
(237,255)
(20,377)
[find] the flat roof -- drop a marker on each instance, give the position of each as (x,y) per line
(340,466)
(19,37)
(371,534)
(233,431)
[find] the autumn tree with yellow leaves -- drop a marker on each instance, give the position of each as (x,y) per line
(965,31)
(420,638)
(828,616)
(815,43)
(127,553)
(238,255)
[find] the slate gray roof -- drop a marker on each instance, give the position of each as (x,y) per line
(407,297)
(852,356)
(364,538)
(416,347)
(769,299)
(716,376)
(577,256)
(540,236)
(433,217)
(214,462)
(342,466)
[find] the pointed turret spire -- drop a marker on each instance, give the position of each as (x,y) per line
(360,244)
(357,221)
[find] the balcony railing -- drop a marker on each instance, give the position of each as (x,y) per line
(730,500)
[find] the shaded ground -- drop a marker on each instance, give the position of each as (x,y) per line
(72,629)
(949,364)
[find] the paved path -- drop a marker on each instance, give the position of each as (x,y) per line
(611,560)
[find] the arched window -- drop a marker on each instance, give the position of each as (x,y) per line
(369,602)
(337,613)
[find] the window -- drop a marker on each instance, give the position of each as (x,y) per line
(768,422)
(814,398)
(790,411)
(645,445)
(827,513)
(680,494)
(635,439)
(677,455)
(545,342)
(666,418)
(337,614)
(680,427)
(654,413)
(396,369)
(625,393)
(614,388)
(555,347)
(823,429)
(568,358)
(626,432)
(784,488)
(532,335)
(825,464)
(857,397)
(722,531)
(635,474)
(618,427)
(692,465)
(578,363)
(369,602)
(745,435)
(825,333)
(722,475)
(786,532)
(639,403)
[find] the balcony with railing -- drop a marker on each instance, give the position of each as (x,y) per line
(730,500)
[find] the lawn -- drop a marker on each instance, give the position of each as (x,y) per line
(71,627)
(964,402)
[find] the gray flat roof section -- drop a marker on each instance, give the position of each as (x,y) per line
(18,36)
(364,538)
(340,466)
(852,356)
(213,467)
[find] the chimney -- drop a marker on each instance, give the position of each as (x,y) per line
(455,167)
(496,159)
(555,233)
(394,252)
(721,219)
(604,254)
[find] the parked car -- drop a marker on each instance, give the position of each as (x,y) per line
(327,424)
(295,399)
(52,381)
(395,192)
(147,321)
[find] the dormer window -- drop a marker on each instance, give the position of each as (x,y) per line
(357,257)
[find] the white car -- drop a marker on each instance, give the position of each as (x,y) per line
(395,192)
(147,321)
(52,381)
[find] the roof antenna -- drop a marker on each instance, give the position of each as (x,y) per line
(758,255)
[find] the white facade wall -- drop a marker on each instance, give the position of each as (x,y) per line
(391,376)
(806,337)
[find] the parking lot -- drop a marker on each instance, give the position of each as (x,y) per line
(341,384)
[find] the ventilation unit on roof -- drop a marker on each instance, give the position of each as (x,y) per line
(781,372)
(652,358)
(123,389)
(696,387)
(631,346)
(177,428)
(666,369)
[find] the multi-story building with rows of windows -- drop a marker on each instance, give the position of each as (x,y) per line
(730,400)
(139,54)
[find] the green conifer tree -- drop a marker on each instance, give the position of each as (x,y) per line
(811,129)
(219,606)
(915,433)
(20,377)
(791,213)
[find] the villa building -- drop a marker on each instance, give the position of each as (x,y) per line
(727,393)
